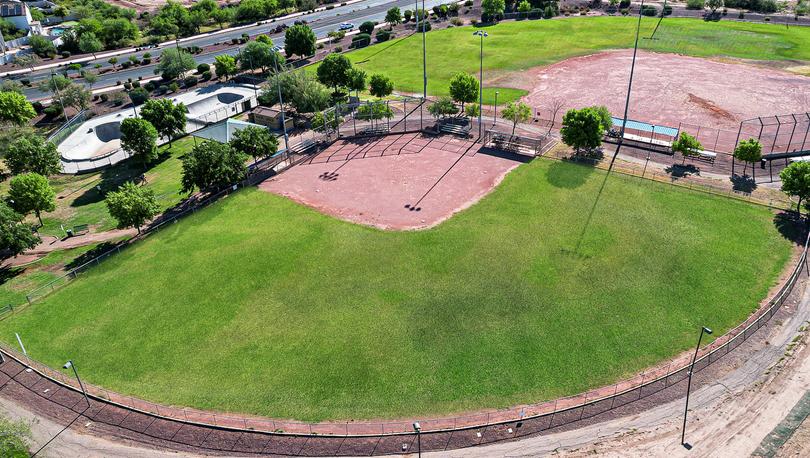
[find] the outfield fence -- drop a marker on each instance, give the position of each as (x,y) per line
(374,438)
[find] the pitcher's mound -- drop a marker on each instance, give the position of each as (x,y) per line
(407,181)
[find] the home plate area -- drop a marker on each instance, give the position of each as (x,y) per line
(398,181)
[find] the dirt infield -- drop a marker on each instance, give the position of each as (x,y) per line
(408,181)
(669,89)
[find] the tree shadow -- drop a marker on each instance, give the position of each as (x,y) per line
(743,183)
(113,177)
(792,226)
(682,170)
(569,174)
(8,273)
(89,255)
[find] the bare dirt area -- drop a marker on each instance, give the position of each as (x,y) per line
(408,181)
(150,5)
(668,89)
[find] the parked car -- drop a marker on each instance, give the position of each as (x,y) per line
(346,26)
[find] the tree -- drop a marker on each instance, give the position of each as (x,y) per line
(393,16)
(748,151)
(76,96)
(32,153)
(517,113)
(796,181)
(472,110)
(210,165)
(334,71)
(31,192)
(356,81)
(373,111)
(492,9)
(380,85)
(328,119)
(168,119)
(464,88)
(257,54)
(443,107)
(15,238)
(582,129)
(299,89)
(90,79)
(222,16)
(367,27)
(162,26)
(714,5)
(89,43)
(255,141)
(12,86)
(118,32)
(41,46)
(605,118)
(299,40)
(139,139)
(225,66)
(175,63)
(524,7)
(15,109)
(132,205)
(687,145)
(112,61)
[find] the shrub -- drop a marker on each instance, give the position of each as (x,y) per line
(695,4)
(138,96)
(624,4)
(367,27)
(25,82)
(126,64)
(206,75)
(360,40)
(173,86)
(338,48)
(667,10)
(136,84)
(53,111)
(105,97)
(149,86)
(202,68)
(118,98)
(190,81)
(162,89)
(649,10)
(37,106)
(146,61)
(147,55)
(456,22)
(65,54)
(468,3)
(383,35)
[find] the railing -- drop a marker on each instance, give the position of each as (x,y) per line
(68,128)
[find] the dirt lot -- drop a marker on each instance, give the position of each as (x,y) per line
(669,89)
(408,181)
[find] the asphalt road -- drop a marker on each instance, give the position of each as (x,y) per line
(322,23)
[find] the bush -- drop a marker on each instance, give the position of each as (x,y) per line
(367,27)
(361,40)
(206,75)
(383,35)
(146,61)
(149,86)
(126,64)
(65,54)
(190,81)
(468,3)
(202,68)
(127,86)
(136,84)
(695,4)
(456,22)
(105,97)
(25,82)
(53,110)
(667,10)
(174,87)
(118,98)
(649,10)
(338,48)
(162,89)
(624,4)
(139,96)
(37,106)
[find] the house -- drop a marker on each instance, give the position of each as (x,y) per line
(17,13)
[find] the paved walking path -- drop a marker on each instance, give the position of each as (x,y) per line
(50,244)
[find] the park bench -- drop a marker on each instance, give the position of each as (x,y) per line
(706,156)
(375,130)
(305,147)
(455,129)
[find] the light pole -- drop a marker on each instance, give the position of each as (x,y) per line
(281,102)
(481,34)
(424,54)
(495,119)
(418,429)
(59,96)
(70,364)
(706,330)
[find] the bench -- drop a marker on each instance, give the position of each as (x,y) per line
(706,156)
(456,129)
(376,130)
(304,147)
(80,229)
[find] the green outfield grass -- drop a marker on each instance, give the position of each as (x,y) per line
(517,46)
(261,305)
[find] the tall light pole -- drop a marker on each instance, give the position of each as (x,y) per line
(58,96)
(424,54)
(70,364)
(495,119)
(281,102)
(418,429)
(706,330)
(481,34)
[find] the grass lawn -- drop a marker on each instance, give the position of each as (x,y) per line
(260,305)
(78,201)
(517,46)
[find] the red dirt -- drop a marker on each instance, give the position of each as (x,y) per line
(668,88)
(379,181)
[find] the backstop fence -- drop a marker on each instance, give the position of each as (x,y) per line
(400,114)
(384,437)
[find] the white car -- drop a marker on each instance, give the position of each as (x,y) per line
(346,26)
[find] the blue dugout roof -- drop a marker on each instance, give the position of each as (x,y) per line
(646,127)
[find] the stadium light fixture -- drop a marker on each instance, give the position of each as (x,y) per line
(703,330)
(71,365)
(481,34)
